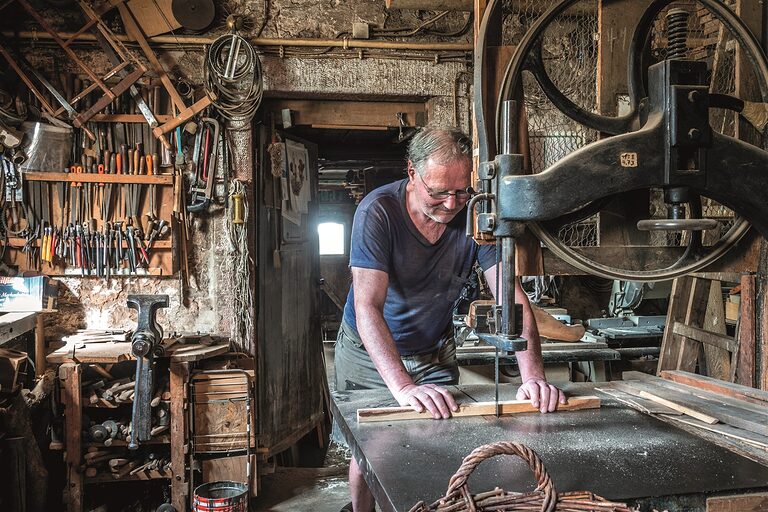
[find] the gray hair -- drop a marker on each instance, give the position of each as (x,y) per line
(442,145)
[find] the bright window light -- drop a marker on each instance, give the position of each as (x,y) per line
(331,238)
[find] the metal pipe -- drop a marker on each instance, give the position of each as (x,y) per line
(508,131)
(262,41)
(507,286)
(430,5)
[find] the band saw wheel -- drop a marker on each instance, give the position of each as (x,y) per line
(528,58)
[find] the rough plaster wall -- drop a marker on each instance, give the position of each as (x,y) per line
(372,78)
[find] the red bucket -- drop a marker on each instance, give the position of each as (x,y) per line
(221,497)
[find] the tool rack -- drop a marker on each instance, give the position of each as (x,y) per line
(100,357)
(162,261)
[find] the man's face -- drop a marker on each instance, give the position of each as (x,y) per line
(441,190)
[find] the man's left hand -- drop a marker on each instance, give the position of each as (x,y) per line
(543,395)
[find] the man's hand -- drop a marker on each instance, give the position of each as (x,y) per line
(438,401)
(543,395)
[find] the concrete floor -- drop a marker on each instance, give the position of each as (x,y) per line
(304,489)
(322,489)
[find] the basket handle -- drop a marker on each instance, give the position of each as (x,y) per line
(479,454)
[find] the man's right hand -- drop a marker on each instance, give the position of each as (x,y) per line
(438,401)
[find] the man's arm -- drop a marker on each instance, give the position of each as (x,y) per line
(370,289)
(535,387)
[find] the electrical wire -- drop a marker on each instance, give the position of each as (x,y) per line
(233,73)
(242,321)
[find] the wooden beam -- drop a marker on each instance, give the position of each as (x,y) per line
(738,503)
(506,408)
(351,114)
(745,365)
(179,375)
(705,336)
(717,386)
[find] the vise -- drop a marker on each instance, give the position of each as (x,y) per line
(145,347)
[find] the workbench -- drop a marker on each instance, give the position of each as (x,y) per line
(73,358)
(13,325)
(616,452)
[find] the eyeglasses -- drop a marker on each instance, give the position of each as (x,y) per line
(442,195)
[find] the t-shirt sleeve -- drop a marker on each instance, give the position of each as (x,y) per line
(371,239)
(486,256)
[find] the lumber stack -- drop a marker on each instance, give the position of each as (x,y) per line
(716,409)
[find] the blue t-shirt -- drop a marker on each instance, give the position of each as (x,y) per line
(425,280)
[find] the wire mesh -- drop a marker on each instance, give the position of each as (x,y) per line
(570,53)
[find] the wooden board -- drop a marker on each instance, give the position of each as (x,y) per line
(727,413)
(718,386)
(745,362)
(351,114)
(718,360)
(118,352)
(219,411)
(739,503)
(640,404)
(13,325)
(473,409)
(230,469)
(154,16)
(704,336)
(162,256)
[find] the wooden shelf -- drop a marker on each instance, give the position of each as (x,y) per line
(85,177)
(157,244)
(140,476)
(164,439)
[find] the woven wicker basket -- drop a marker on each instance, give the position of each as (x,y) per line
(458,498)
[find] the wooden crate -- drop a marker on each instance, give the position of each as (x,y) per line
(219,409)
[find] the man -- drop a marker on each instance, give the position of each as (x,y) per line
(410,258)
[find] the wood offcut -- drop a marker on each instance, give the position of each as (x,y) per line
(506,408)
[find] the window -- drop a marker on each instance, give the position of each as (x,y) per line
(331,236)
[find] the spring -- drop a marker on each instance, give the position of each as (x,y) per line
(677,34)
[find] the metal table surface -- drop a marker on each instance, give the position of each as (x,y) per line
(614,451)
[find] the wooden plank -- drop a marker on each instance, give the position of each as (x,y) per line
(13,325)
(745,365)
(694,317)
(143,179)
(757,502)
(736,405)
(230,469)
(40,348)
(358,114)
(154,16)
(727,413)
(191,353)
(631,389)
(717,360)
(704,336)
(71,378)
(678,302)
(717,386)
(473,409)
(179,373)
(641,404)
(739,434)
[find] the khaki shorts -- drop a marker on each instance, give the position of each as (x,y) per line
(355,370)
